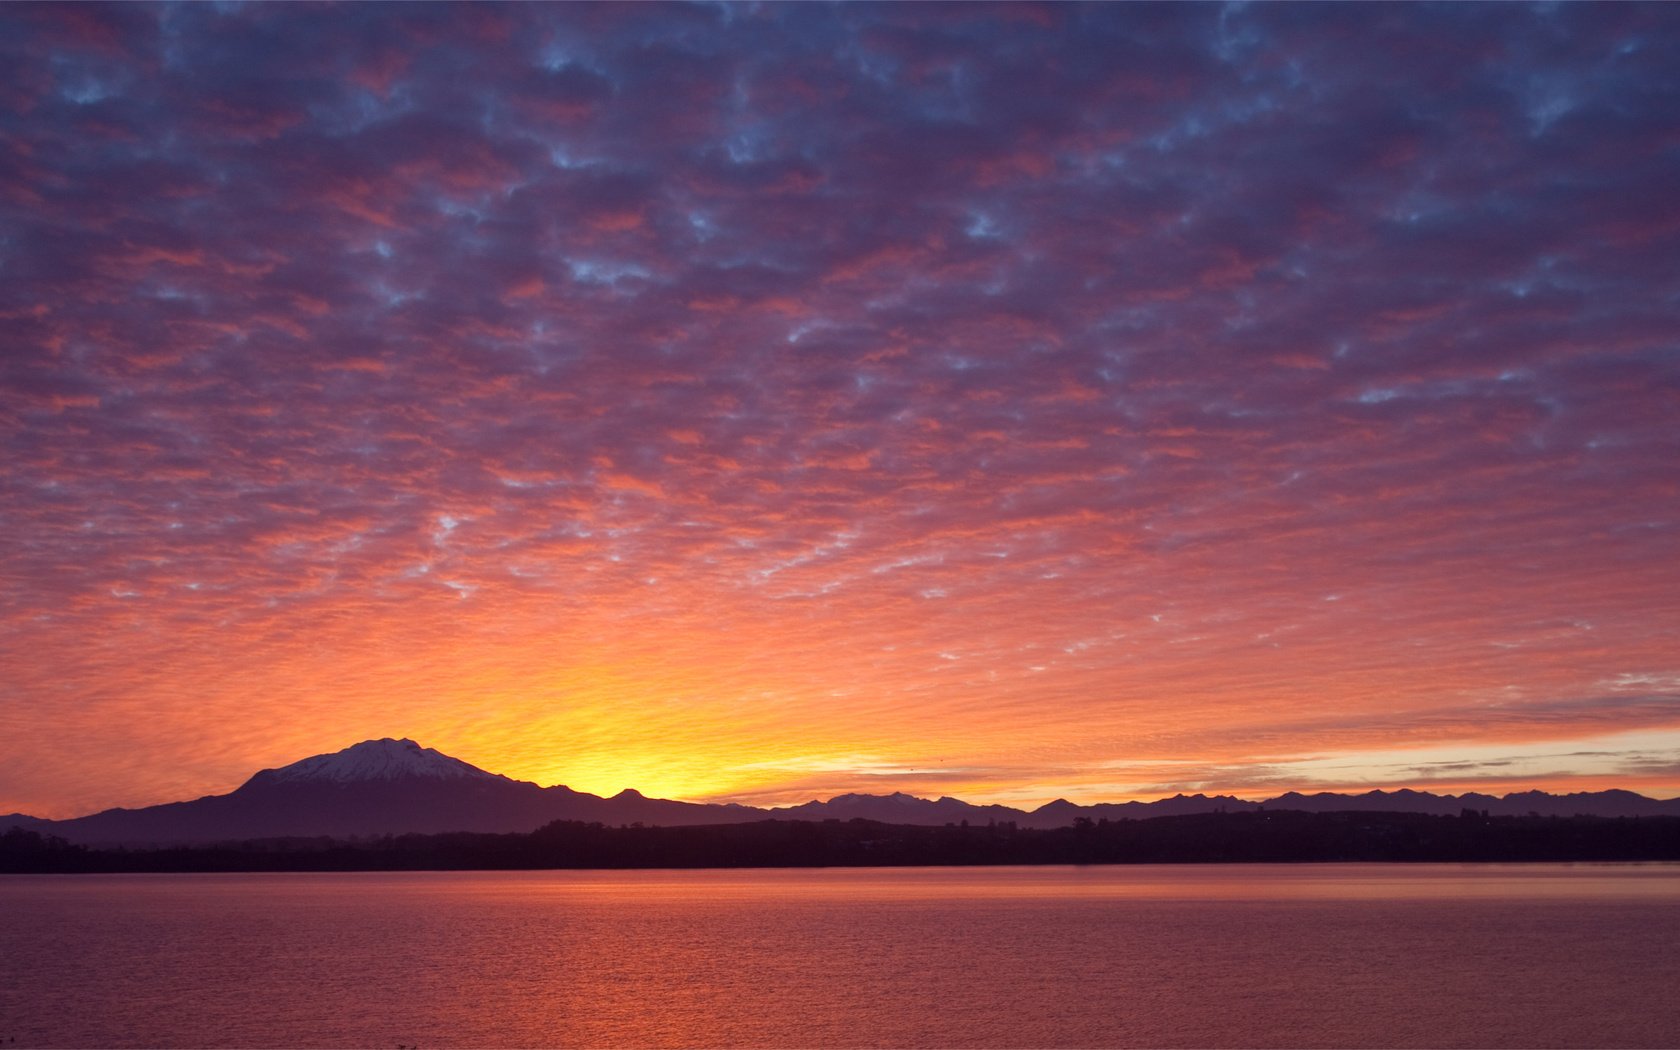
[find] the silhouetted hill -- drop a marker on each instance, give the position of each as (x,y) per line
(1061,812)
(1611,803)
(378,787)
(395,787)
(898,808)
(27,823)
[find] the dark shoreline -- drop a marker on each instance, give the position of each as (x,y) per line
(1283,836)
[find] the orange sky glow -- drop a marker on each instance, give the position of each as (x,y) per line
(763,404)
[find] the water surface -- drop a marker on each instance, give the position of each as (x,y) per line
(1218,955)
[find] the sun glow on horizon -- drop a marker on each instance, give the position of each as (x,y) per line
(771,403)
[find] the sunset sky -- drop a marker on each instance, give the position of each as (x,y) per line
(759,403)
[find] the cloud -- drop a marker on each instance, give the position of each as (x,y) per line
(1187,376)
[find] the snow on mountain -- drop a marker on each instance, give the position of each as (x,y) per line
(385,759)
(897,798)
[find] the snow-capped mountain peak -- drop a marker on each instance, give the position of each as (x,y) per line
(385,759)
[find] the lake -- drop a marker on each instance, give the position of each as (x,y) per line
(1206,956)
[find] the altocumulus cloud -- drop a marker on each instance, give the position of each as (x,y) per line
(652,391)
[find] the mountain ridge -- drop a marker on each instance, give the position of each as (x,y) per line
(382,759)
(395,786)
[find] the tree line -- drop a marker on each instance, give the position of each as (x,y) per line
(1281,836)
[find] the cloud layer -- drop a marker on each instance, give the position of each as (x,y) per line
(745,401)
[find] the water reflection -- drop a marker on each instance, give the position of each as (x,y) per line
(1312,955)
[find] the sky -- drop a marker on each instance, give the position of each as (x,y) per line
(762,402)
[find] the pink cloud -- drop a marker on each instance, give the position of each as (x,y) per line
(1086,381)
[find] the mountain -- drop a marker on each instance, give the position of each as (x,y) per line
(27,823)
(898,808)
(378,787)
(375,760)
(395,787)
(1061,812)
(1611,803)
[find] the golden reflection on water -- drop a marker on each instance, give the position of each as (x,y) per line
(1165,882)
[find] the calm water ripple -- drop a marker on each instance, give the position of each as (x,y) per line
(1211,956)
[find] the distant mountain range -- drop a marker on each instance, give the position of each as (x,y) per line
(391,787)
